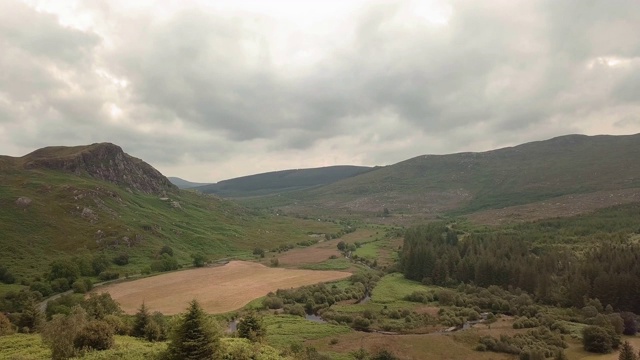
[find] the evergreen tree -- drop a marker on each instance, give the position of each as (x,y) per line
(627,352)
(140,322)
(194,337)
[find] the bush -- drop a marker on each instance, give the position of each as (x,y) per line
(108,275)
(251,327)
(258,252)
(6,328)
(199,260)
(166,263)
(95,335)
(597,339)
(166,250)
(6,276)
(41,287)
(121,260)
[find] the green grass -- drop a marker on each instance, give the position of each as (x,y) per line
(52,226)
(5,288)
(284,330)
(30,347)
(24,347)
(330,264)
(369,250)
(394,287)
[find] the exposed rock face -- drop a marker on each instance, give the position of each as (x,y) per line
(102,161)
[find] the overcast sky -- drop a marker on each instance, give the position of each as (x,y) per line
(210,90)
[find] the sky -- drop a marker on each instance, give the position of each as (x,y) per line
(211,90)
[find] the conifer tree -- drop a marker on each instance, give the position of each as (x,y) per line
(195,337)
(627,352)
(141,321)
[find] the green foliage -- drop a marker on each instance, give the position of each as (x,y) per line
(98,306)
(31,317)
(166,263)
(538,343)
(166,250)
(199,260)
(95,335)
(599,340)
(250,327)
(258,252)
(194,337)
(121,259)
(6,276)
(60,333)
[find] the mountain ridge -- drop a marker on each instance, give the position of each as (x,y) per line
(102,161)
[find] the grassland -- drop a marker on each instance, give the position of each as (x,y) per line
(118,221)
(284,330)
(218,289)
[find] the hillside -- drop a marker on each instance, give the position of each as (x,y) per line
(468,182)
(281,181)
(184,184)
(61,202)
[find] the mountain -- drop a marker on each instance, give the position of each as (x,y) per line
(103,161)
(184,184)
(281,181)
(62,202)
(468,182)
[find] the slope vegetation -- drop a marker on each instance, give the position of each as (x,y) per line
(62,202)
(468,182)
(281,181)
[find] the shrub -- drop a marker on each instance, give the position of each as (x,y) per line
(5,325)
(251,327)
(108,275)
(166,250)
(598,339)
(121,260)
(95,335)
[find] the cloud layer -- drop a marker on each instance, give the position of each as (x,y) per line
(209,92)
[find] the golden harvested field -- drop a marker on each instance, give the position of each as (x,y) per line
(218,289)
(310,255)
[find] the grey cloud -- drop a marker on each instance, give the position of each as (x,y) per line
(508,68)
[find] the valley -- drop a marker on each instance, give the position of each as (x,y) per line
(447,257)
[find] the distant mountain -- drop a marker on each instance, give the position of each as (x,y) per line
(468,182)
(184,184)
(281,181)
(103,161)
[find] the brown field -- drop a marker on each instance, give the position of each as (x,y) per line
(218,289)
(310,255)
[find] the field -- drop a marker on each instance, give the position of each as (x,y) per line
(218,289)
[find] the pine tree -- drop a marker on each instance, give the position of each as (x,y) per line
(194,337)
(141,321)
(627,352)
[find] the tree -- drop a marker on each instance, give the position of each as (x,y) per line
(60,333)
(630,324)
(597,339)
(194,337)
(99,306)
(258,252)
(342,246)
(199,260)
(251,327)
(140,322)
(627,352)
(31,317)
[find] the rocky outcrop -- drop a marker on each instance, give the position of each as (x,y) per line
(104,161)
(23,202)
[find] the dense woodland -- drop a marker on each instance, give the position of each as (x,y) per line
(607,270)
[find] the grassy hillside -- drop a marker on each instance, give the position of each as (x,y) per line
(184,184)
(281,181)
(49,214)
(467,182)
